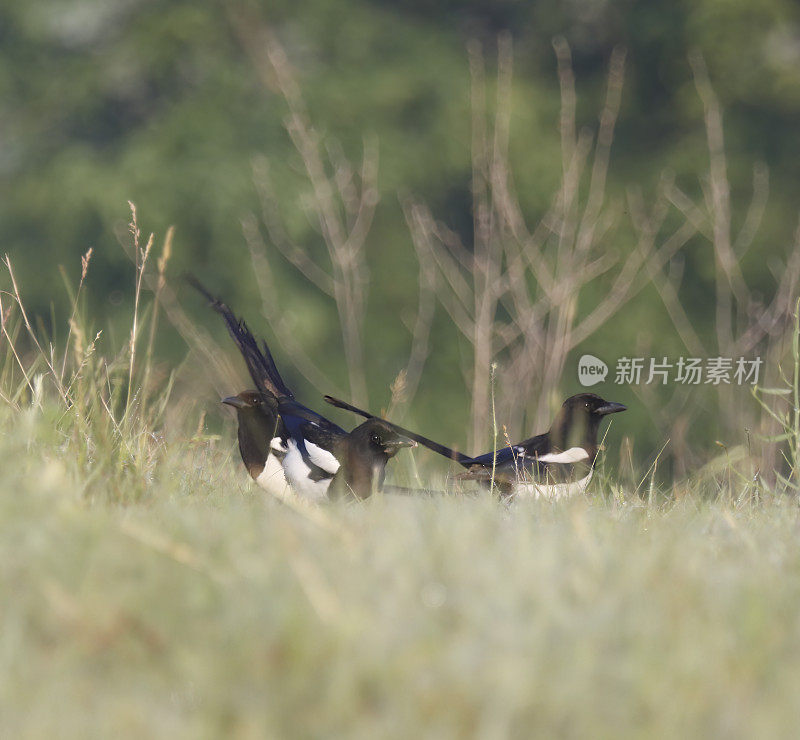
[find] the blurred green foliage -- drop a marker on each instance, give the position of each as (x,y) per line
(105,101)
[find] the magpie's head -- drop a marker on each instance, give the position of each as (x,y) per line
(244,401)
(592,404)
(579,418)
(379,439)
(258,426)
(257,416)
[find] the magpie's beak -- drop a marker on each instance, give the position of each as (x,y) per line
(610,408)
(235,401)
(395,445)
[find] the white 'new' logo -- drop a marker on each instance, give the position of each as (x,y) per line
(591,370)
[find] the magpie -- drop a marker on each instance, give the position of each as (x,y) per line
(262,440)
(319,459)
(555,464)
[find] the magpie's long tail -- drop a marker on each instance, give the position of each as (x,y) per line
(424,441)
(259,360)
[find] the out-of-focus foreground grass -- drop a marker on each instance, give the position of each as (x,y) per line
(150,590)
(201,608)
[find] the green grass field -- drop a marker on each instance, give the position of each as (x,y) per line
(189,605)
(149,589)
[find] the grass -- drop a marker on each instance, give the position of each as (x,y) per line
(150,590)
(204,609)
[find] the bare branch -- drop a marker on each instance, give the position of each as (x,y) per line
(755,213)
(294,254)
(719,207)
(605,136)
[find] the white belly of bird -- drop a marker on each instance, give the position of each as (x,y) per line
(297,472)
(272,478)
(552,491)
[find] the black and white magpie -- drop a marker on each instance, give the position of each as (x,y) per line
(555,464)
(319,459)
(262,440)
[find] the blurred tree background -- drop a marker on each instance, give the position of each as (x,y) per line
(106,101)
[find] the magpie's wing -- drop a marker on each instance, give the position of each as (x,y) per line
(527,450)
(498,458)
(308,428)
(542,464)
(534,446)
(259,361)
(289,408)
(532,460)
(447,452)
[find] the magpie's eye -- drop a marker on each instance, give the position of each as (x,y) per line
(587,404)
(376,439)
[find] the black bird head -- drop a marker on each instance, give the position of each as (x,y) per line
(258,425)
(246,400)
(379,439)
(368,448)
(578,421)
